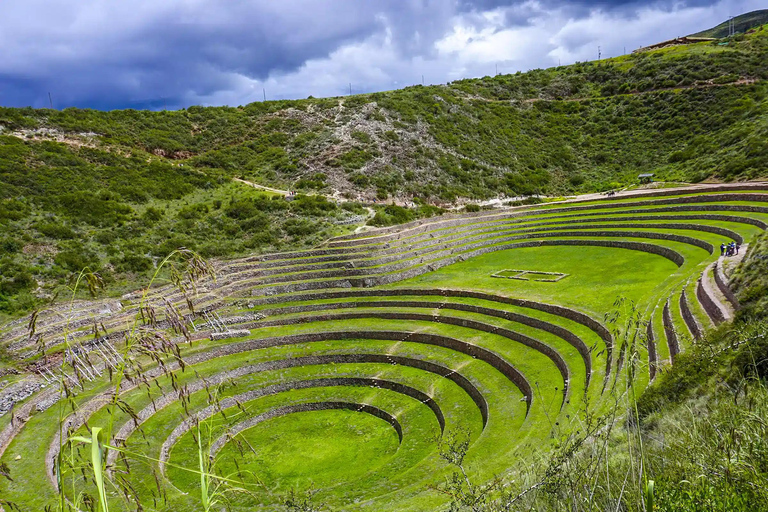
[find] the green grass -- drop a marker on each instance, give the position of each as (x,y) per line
(352,459)
(596,276)
(327,448)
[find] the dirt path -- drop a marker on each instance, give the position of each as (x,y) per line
(698,187)
(262,187)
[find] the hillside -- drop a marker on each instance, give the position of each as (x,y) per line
(115,191)
(741,24)
(451,298)
(581,356)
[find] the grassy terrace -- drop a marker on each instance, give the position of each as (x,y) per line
(346,362)
(392,254)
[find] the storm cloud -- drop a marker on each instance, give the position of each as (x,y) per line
(176,53)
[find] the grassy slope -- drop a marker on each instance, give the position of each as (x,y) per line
(116,190)
(642,277)
(742,23)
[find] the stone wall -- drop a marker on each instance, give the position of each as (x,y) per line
(159,403)
(653,359)
(474,217)
(708,303)
(669,331)
(558,331)
(217,445)
(722,284)
(690,320)
(537,345)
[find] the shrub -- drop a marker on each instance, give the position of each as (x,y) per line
(314,206)
(359,179)
(10,245)
(131,262)
(391,215)
(56,230)
(102,209)
(299,227)
(257,223)
(361,136)
(76,259)
(193,211)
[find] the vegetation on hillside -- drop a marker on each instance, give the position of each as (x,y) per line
(115,190)
(741,24)
(63,209)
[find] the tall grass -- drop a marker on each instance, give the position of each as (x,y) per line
(144,345)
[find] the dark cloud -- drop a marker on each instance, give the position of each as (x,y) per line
(149,54)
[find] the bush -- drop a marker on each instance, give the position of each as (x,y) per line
(299,227)
(76,259)
(314,206)
(130,262)
(361,136)
(10,245)
(391,215)
(55,230)
(102,209)
(256,224)
(193,211)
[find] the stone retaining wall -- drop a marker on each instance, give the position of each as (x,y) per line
(315,406)
(558,331)
(708,303)
(376,280)
(167,399)
(535,344)
(539,211)
(524,228)
(562,311)
(487,356)
(653,359)
(388,233)
(391,264)
(690,321)
(415,249)
(186,425)
(669,331)
(722,284)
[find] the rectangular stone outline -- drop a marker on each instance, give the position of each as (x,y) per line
(520,275)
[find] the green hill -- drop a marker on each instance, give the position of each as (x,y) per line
(115,191)
(742,24)
(596,353)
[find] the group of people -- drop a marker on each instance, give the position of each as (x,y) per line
(729,249)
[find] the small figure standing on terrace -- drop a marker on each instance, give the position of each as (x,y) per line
(738,246)
(722,249)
